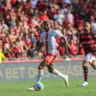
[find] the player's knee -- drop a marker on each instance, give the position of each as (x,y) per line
(50,70)
(85,63)
(40,67)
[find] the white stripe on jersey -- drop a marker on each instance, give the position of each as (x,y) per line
(52,44)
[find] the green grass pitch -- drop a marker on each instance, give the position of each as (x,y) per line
(51,88)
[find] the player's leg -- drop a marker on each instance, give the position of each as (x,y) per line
(85,70)
(89,58)
(40,73)
(40,70)
(50,61)
(51,69)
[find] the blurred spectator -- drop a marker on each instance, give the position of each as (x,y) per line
(44,16)
(12,35)
(64,9)
(59,17)
(34,3)
(93,23)
(2,56)
(6,43)
(69,17)
(73,44)
(21,24)
(67,2)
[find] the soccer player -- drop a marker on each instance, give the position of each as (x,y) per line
(87,41)
(48,38)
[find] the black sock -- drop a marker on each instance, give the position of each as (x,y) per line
(85,73)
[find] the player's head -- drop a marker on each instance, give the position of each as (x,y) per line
(87,26)
(47,25)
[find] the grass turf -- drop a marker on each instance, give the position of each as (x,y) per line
(52,88)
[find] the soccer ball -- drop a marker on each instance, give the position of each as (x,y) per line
(39,86)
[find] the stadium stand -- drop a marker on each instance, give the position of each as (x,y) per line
(20,25)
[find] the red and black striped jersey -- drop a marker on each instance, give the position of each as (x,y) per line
(88,42)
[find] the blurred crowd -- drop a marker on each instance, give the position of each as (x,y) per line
(21,24)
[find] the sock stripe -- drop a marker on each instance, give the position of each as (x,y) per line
(85,73)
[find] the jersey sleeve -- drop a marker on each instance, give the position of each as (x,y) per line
(58,34)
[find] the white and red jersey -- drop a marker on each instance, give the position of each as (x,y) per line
(49,41)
